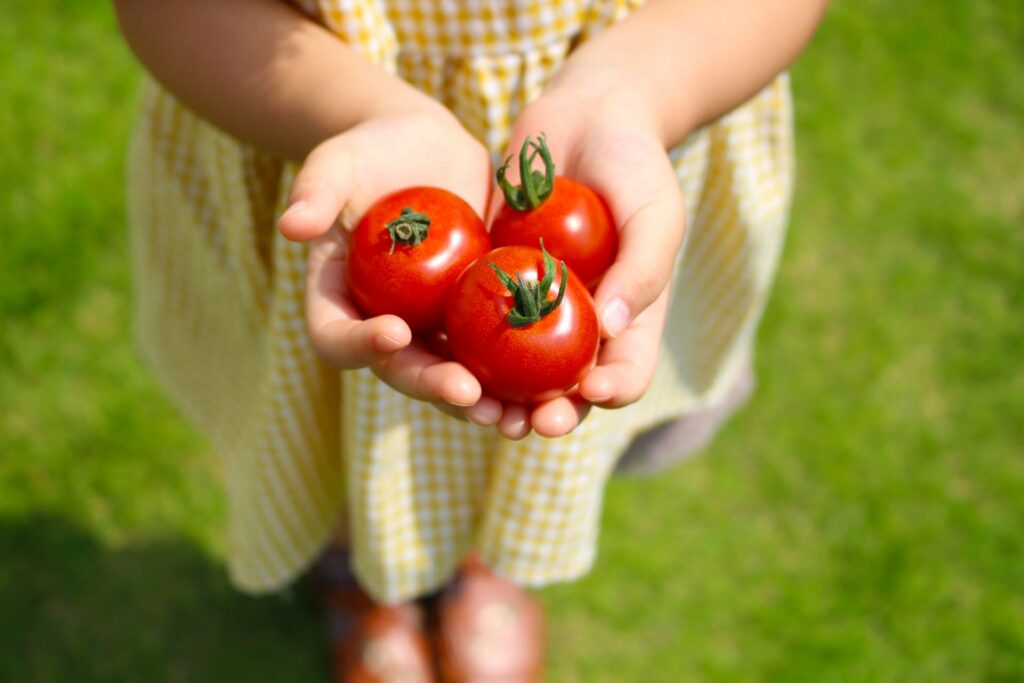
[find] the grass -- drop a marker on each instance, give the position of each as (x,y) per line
(860,521)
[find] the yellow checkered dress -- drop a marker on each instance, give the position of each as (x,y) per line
(220,318)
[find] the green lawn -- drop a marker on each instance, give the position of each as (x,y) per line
(861,521)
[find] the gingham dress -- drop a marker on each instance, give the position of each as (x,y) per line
(220,317)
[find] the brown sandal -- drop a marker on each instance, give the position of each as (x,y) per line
(378,643)
(487,630)
(371,642)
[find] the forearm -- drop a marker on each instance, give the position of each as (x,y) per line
(260,70)
(691,61)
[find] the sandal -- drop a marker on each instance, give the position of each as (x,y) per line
(487,630)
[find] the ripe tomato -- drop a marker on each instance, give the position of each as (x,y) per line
(574,222)
(407,251)
(526,330)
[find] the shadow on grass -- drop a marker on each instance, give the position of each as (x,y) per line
(162,610)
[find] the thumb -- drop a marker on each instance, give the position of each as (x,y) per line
(649,240)
(320,191)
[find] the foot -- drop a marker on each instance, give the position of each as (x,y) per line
(371,642)
(487,630)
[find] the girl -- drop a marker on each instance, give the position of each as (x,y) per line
(263,114)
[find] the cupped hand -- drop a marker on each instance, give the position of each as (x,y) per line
(612,145)
(337,183)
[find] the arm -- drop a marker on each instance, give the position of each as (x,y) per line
(691,61)
(610,113)
(257,69)
(266,74)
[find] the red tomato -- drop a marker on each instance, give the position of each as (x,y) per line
(521,355)
(573,220)
(407,251)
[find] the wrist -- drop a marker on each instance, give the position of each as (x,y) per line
(605,91)
(372,95)
(396,99)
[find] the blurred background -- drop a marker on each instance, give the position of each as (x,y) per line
(861,520)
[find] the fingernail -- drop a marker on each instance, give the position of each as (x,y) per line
(517,431)
(386,344)
(615,317)
(486,413)
(603,393)
(463,389)
(297,207)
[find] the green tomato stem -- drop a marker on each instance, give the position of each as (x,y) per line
(531,297)
(536,185)
(410,228)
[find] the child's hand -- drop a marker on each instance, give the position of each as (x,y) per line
(339,180)
(611,143)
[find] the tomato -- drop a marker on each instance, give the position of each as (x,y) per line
(526,329)
(407,251)
(574,222)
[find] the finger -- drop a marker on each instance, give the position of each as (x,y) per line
(621,380)
(417,373)
(648,243)
(626,364)
(347,343)
(320,191)
(642,191)
(486,412)
(336,328)
(515,422)
(450,410)
(559,416)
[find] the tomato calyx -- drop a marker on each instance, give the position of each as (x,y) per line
(410,228)
(531,298)
(536,185)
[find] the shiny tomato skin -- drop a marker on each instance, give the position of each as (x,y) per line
(576,224)
(529,364)
(412,282)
